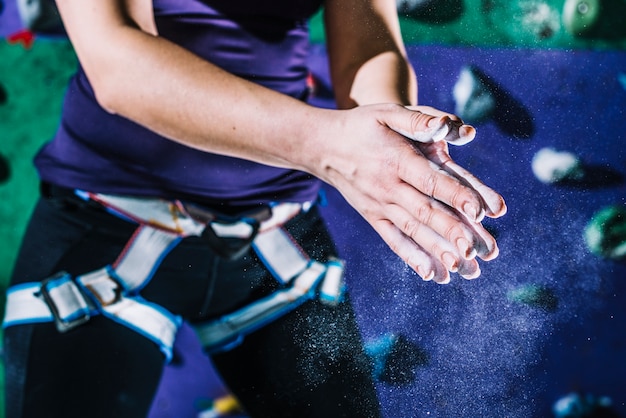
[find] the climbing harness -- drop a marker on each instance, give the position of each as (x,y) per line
(114,290)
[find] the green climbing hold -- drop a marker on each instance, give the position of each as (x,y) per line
(581,16)
(534,295)
(605,233)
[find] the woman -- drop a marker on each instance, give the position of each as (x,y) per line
(186,122)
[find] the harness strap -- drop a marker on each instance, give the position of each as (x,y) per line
(157,213)
(113,290)
(142,255)
(187,220)
(69,303)
(26,304)
(281,254)
(229,330)
(333,286)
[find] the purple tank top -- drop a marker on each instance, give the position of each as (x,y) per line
(262,41)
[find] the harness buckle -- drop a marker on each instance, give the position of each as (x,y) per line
(103,287)
(72,308)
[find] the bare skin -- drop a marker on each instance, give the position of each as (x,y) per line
(389,161)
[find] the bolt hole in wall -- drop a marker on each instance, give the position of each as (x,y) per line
(542,333)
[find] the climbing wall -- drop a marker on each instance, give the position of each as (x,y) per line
(545,320)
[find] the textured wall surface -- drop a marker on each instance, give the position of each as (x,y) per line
(489,354)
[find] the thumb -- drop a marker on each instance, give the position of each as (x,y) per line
(426,124)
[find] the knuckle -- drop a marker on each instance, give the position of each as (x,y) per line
(424,213)
(417,121)
(436,250)
(411,227)
(458,197)
(429,184)
(453,232)
(369,212)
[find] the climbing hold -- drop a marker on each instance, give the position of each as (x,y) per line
(226,405)
(411,6)
(575,405)
(23,36)
(605,234)
(394,358)
(474,101)
(581,16)
(40,16)
(534,295)
(540,19)
(621,78)
(552,166)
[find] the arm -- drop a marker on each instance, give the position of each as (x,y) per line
(169,90)
(367,56)
(368,64)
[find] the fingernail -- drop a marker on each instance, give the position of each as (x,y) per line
(465,248)
(489,252)
(438,128)
(426,275)
(436,122)
(445,280)
(470,210)
(474,213)
(450,262)
(441,133)
(471,275)
(467,131)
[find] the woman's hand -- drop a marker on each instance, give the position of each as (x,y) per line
(392,165)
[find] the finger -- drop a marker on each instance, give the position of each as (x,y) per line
(443,220)
(469,269)
(483,244)
(433,213)
(424,236)
(493,201)
(422,127)
(452,225)
(452,130)
(466,268)
(459,133)
(413,255)
(486,245)
(433,181)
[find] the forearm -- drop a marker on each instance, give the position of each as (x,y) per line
(368,62)
(173,92)
(386,78)
(192,101)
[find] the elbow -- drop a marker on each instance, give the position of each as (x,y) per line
(106,104)
(106,93)
(107,75)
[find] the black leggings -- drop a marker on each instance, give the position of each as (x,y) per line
(308,363)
